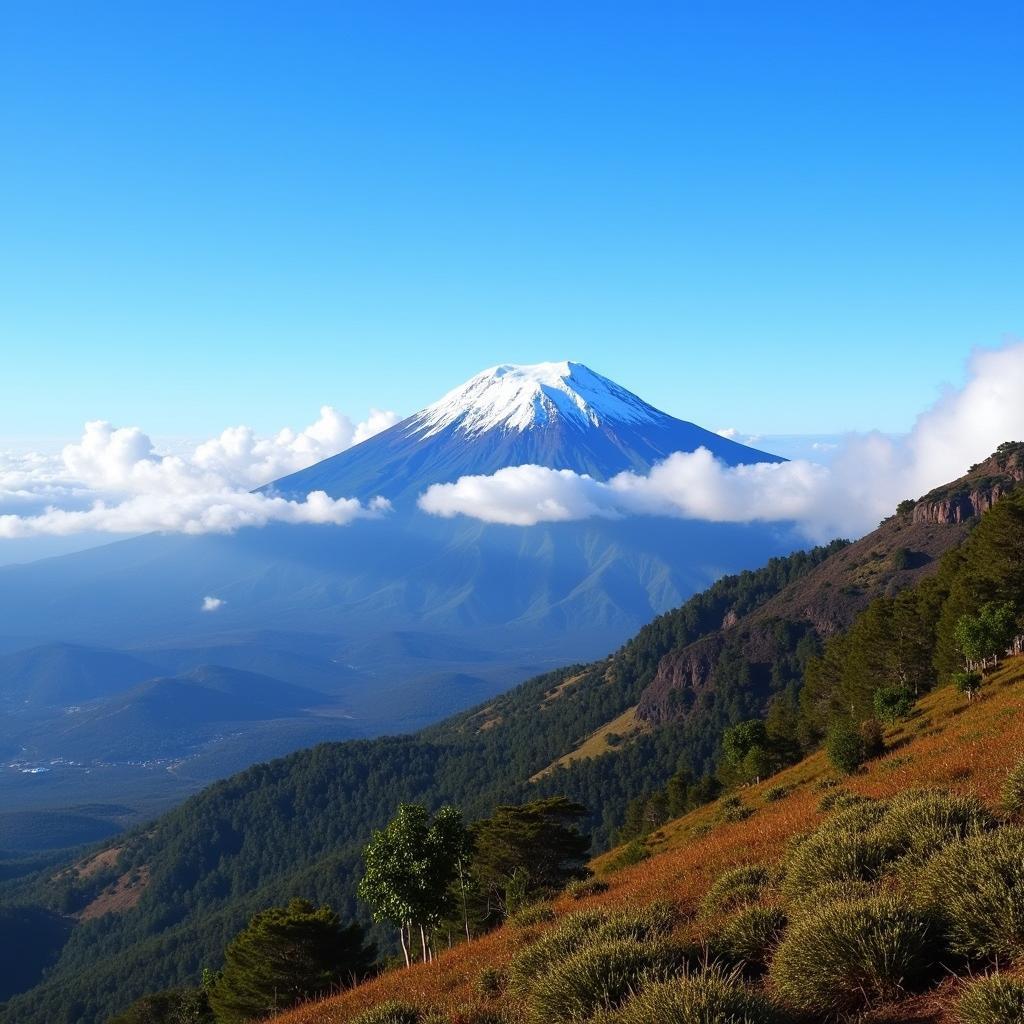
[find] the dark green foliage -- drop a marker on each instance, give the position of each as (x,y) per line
(31,939)
(974,890)
(749,936)
(967,683)
(175,1006)
(601,976)
(852,954)
(491,982)
(537,845)
(994,999)
(735,888)
(286,955)
(775,793)
(731,810)
(581,888)
(632,853)
(891,703)
(746,753)
(845,746)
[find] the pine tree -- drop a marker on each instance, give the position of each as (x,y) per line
(286,955)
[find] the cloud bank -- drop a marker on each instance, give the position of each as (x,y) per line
(868,474)
(113,480)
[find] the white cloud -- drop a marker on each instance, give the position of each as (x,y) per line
(211,604)
(113,480)
(868,475)
(730,432)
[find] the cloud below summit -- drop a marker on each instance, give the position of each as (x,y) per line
(113,480)
(867,476)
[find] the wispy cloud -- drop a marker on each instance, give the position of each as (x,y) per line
(113,480)
(868,473)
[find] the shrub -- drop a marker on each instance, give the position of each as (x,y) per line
(390,1013)
(750,935)
(777,792)
(1013,789)
(584,887)
(831,892)
(892,703)
(732,810)
(872,737)
(921,822)
(491,981)
(851,954)
(837,851)
(840,799)
(632,853)
(992,1000)
(845,747)
(706,997)
(975,890)
(967,683)
(734,888)
(601,977)
(530,914)
(586,928)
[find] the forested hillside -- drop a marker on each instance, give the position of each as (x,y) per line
(156,906)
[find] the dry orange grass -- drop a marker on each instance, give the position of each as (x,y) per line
(948,743)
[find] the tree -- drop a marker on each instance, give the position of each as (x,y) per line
(746,754)
(284,956)
(527,851)
(986,635)
(893,703)
(453,855)
(410,866)
(967,683)
(175,1006)
(845,746)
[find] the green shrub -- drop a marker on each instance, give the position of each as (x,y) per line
(845,747)
(967,683)
(750,935)
(531,914)
(732,810)
(831,892)
(992,1000)
(840,799)
(975,890)
(707,997)
(584,887)
(921,822)
(893,703)
(734,888)
(632,853)
(601,977)
(587,928)
(1013,789)
(491,981)
(390,1013)
(775,793)
(851,954)
(837,851)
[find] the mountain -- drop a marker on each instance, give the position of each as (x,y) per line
(559,415)
(59,674)
(296,826)
(403,618)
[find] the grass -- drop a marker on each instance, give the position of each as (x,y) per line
(971,755)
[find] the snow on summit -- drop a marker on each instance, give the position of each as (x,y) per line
(515,398)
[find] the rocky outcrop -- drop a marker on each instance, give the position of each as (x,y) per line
(993,479)
(683,677)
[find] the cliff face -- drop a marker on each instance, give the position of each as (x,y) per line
(904,548)
(977,492)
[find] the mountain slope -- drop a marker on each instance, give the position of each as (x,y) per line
(296,825)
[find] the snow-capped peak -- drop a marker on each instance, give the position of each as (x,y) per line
(518,397)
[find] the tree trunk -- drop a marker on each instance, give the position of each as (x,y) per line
(423,943)
(405,948)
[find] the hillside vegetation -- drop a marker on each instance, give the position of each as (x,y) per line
(296,827)
(947,746)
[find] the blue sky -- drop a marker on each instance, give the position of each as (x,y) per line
(791,217)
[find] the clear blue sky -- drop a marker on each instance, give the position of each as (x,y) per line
(785,217)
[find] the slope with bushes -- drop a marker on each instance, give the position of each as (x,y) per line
(893,892)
